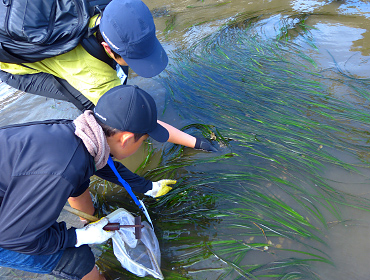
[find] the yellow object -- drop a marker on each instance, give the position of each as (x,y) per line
(89,75)
(164,188)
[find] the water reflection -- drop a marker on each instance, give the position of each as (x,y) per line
(308,6)
(355,8)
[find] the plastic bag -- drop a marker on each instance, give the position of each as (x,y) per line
(139,256)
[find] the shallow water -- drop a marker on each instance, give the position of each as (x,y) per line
(341,35)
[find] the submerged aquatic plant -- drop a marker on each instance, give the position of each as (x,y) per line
(260,206)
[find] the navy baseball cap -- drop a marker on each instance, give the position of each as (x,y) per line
(128,28)
(129,108)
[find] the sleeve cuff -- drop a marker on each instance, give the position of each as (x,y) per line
(72,238)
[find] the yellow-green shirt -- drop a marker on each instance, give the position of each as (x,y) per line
(89,75)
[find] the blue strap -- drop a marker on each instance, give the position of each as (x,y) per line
(123,182)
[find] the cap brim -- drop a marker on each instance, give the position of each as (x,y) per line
(159,134)
(151,65)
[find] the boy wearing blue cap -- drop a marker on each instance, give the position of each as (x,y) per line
(35,186)
(125,37)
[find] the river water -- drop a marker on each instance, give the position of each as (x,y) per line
(341,32)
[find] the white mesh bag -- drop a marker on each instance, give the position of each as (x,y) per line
(139,256)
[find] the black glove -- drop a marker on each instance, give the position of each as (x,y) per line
(203,144)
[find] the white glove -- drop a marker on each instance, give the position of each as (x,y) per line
(160,188)
(93,233)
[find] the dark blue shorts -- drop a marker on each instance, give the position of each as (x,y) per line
(72,263)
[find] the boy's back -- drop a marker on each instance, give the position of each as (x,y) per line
(40,171)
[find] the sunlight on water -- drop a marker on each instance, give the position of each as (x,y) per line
(307,6)
(361,8)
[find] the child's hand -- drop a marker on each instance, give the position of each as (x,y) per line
(93,233)
(160,188)
(203,144)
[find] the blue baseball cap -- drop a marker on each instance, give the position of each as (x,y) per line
(129,108)
(127,26)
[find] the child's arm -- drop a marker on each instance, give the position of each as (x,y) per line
(136,182)
(177,136)
(181,138)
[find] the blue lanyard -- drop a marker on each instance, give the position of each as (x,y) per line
(123,182)
(129,190)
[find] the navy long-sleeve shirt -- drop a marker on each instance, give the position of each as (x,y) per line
(42,165)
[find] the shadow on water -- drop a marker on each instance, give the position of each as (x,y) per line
(260,208)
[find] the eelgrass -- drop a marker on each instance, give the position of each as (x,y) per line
(258,208)
(282,128)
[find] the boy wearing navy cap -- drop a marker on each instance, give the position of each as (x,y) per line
(128,29)
(35,186)
(126,36)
